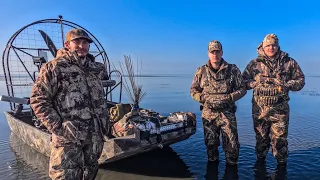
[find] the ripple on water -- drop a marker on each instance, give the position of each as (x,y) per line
(24,162)
(4,143)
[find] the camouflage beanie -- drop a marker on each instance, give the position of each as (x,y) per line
(270,39)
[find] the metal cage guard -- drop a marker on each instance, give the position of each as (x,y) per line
(22,61)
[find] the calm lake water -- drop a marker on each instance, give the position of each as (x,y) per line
(188,159)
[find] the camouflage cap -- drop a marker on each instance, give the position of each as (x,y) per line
(214,46)
(270,39)
(77,34)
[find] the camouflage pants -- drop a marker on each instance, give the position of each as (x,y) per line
(276,125)
(76,161)
(226,123)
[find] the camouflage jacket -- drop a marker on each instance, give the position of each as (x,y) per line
(68,95)
(208,84)
(283,69)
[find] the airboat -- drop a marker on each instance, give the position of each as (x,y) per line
(37,43)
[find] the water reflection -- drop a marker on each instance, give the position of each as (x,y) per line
(29,163)
(158,164)
(260,172)
(231,172)
(212,172)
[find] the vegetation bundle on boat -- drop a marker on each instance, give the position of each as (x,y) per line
(132,88)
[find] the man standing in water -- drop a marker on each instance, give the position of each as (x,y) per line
(217,85)
(68,98)
(271,76)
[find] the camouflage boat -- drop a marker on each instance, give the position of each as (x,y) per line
(133,133)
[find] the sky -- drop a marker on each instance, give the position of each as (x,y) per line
(171,36)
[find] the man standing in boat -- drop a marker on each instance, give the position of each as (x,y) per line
(68,98)
(271,76)
(217,85)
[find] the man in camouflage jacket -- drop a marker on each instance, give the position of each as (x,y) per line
(217,85)
(68,98)
(271,76)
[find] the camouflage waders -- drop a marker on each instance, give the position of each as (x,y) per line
(270,120)
(217,92)
(76,161)
(271,81)
(227,125)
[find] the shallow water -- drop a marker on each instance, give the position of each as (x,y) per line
(187,159)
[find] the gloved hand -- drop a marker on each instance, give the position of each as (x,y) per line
(281,84)
(277,80)
(218,101)
(199,97)
(259,78)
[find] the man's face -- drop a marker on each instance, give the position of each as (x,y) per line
(215,56)
(80,45)
(271,50)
